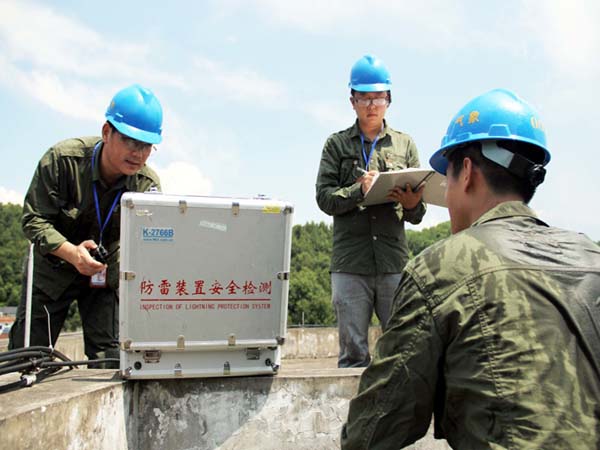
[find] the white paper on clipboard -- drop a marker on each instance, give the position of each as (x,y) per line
(435,185)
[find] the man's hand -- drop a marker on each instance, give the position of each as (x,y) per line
(366,180)
(79,256)
(406,197)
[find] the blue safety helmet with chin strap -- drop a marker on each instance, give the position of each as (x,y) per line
(369,74)
(136,112)
(497,115)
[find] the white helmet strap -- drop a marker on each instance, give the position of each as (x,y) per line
(516,164)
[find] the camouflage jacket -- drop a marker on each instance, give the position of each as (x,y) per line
(369,240)
(59,206)
(481,337)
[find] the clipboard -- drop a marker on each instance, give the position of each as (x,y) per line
(434,193)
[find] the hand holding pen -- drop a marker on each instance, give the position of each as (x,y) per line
(366,178)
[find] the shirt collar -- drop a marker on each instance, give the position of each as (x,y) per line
(507,209)
(355,130)
(96,162)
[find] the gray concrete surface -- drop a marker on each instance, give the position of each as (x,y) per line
(303,407)
(81,409)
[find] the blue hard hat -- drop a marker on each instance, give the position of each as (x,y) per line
(499,114)
(136,112)
(369,74)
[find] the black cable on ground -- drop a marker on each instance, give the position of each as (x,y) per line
(24,366)
(79,363)
(12,386)
(36,363)
(37,348)
(24,354)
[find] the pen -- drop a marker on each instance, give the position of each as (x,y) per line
(361,170)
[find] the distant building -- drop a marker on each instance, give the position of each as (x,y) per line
(7,318)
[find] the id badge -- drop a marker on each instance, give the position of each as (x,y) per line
(98,280)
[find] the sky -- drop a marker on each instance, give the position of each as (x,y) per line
(252,89)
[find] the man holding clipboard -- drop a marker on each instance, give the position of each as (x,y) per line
(369,243)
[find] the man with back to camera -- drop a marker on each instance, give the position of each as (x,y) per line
(494,330)
(72,216)
(369,243)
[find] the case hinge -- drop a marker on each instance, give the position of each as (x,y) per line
(127,275)
(182,206)
(231,340)
(283,275)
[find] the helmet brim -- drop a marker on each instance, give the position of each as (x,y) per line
(439,162)
(375,87)
(136,133)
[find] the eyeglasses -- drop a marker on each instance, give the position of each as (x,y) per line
(364,102)
(134,144)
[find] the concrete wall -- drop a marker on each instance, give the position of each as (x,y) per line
(78,410)
(88,409)
(303,407)
(317,342)
(267,413)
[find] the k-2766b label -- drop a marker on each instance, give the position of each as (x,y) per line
(158,234)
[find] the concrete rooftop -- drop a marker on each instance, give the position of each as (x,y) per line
(302,407)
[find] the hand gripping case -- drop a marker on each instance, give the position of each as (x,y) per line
(203,285)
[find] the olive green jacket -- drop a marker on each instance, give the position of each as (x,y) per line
(59,206)
(481,337)
(369,240)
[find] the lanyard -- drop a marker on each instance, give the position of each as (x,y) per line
(97,204)
(362,141)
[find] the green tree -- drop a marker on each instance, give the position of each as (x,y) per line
(310,290)
(419,240)
(13,249)
(310,285)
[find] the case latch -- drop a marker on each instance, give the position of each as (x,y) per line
(231,340)
(252,353)
(177,370)
(226,368)
(235,208)
(151,356)
(283,275)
